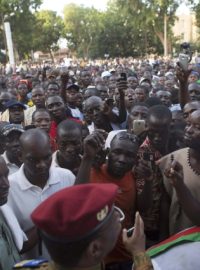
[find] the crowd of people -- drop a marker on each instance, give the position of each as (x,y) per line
(89,151)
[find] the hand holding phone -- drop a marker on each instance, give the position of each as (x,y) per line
(139,126)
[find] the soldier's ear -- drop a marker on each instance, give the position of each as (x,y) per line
(95,250)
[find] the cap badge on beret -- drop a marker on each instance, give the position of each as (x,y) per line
(103,213)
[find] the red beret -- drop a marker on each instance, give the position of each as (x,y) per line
(76,212)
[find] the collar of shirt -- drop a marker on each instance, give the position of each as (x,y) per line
(25,184)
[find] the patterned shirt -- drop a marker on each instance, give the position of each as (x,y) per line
(151,217)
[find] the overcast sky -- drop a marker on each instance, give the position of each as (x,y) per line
(58,5)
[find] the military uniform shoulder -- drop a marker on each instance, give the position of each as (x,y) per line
(39,264)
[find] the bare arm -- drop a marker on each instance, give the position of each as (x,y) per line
(122,86)
(93,143)
(135,245)
(83,175)
(114,118)
(183,81)
(33,239)
(189,204)
(64,81)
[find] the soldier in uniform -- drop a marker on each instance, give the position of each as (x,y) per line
(80,226)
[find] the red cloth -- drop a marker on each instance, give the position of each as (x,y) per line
(52,132)
(125,200)
(74,212)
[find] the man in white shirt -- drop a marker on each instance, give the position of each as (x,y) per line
(71,101)
(35,181)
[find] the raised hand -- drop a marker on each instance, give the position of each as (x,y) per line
(175,174)
(94,143)
(182,75)
(143,170)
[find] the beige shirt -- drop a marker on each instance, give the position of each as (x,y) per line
(28,115)
(5,116)
(178,220)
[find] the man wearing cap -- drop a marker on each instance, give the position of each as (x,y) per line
(70,99)
(79,234)
(14,113)
(35,181)
(105,76)
(12,154)
(194,76)
(4,98)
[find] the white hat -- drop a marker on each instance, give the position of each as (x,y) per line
(105,74)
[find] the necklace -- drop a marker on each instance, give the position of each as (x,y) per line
(190,165)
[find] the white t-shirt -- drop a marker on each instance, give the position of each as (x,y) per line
(76,113)
(24,197)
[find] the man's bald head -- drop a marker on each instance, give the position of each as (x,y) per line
(36,155)
(34,137)
(93,100)
(196,114)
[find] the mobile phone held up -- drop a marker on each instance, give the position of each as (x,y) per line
(139,126)
(122,77)
(185,56)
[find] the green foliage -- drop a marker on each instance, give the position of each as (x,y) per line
(195,6)
(48,29)
(82,28)
(19,14)
(151,13)
(197,13)
(91,33)
(22,26)
(18,6)
(126,28)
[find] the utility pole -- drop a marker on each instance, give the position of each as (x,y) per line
(165,36)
